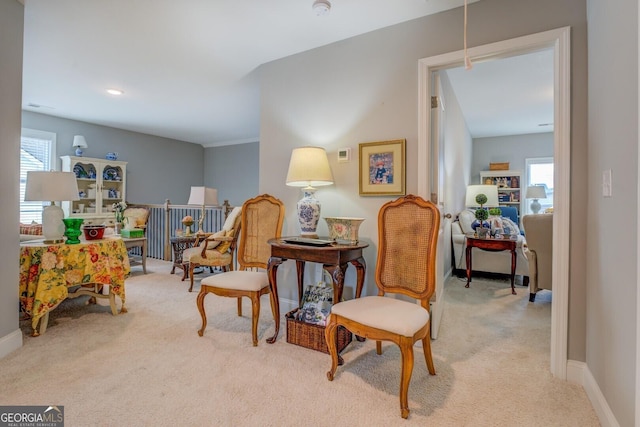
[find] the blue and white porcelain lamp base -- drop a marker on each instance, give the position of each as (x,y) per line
(308,213)
(535,206)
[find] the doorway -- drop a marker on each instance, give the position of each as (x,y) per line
(428,185)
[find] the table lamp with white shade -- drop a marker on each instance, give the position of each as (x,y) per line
(536,192)
(51,186)
(202,196)
(491,191)
(79,143)
(309,168)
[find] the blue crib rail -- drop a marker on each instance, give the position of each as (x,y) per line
(165,219)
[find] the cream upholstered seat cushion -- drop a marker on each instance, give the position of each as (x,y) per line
(194,255)
(238,280)
(393,315)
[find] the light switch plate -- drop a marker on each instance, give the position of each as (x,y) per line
(344,155)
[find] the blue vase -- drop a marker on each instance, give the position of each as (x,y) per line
(475,224)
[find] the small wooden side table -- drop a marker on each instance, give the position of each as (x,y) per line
(493,245)
(179,244)
(334,258)
(137,242)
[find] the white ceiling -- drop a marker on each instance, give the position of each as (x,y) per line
(508,96)
(187,67)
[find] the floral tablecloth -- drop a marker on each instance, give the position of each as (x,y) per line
(46,271)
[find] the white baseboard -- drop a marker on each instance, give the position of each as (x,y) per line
(579,373)
(10,342)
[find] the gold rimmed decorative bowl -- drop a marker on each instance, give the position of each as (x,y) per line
(343,228)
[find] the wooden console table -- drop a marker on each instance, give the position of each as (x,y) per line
(494,245)
(334,258)
(47,272)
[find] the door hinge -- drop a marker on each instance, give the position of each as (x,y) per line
(434,102)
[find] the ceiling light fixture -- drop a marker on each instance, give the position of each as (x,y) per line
(115,91)
(321,7)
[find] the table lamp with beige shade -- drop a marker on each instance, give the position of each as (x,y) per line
(203,196)
(51,186)
(309,168)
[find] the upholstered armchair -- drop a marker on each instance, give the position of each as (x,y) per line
(137,217)
(539,250)
(216,250)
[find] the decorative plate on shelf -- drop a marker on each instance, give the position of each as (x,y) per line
(79,171)
(111,174)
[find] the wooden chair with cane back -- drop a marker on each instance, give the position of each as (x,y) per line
(406,264)
(261,220)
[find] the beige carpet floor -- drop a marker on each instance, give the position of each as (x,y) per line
(149,367)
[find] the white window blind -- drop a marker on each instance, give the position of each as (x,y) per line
(37,150)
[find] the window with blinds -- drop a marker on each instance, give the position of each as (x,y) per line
(37,150)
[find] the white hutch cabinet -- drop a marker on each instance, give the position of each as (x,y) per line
(101,183)
(509,186)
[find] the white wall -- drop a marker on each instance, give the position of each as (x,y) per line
(512,148)
(158,168)
(458,152)
(365,89)
(233,170)
(11,28)
(612,222)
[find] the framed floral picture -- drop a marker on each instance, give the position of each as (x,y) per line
(382,168)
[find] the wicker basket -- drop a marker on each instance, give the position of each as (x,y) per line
(312,336)
(499,166)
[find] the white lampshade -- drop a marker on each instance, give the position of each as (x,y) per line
(51,186)
(79,143)
(309,167)
(491,191)
(536,192)
(203,196)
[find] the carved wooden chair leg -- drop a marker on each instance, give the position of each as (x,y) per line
(192,267)
(406,349)
(239,306)
(255,315)
(200,304)
(330,335)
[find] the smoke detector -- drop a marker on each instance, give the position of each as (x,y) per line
(321,7)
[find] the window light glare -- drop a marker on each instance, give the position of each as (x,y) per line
(115,91)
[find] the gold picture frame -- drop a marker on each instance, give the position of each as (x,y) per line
(382,168)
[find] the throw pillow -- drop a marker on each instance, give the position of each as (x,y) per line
(211,244)
(466,218)
(231,219)
(31,229)
(507,222)
(224,246)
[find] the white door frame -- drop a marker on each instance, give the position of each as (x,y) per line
(559,40)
